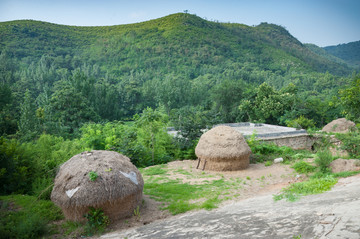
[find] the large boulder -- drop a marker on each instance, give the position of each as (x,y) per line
(223,149)
(99,179)
(345,165)
(341,125)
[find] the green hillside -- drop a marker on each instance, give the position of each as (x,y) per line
(349,52)
(60,77)
(186,38)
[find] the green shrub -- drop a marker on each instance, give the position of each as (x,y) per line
(303,167)
(323,160)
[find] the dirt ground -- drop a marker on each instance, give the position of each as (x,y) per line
(260,179)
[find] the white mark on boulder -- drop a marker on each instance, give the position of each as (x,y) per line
(132,176)
(71,192)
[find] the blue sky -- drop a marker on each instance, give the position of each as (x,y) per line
(322,22)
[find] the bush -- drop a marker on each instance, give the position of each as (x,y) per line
(350,143)
(301,123)
(16,167)
(25,217)
(323,160)
(49,153)
(262,151)
(303,167)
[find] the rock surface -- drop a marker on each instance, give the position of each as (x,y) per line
(333,214)
(341,125)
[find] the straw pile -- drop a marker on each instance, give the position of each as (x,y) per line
(341,125)
(117,189)
(223,149)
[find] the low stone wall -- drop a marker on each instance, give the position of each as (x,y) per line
(295,142)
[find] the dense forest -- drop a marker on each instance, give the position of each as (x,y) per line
(65,89)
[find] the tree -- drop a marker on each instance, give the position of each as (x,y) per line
(350,99)
(172,92)
(8,123)
(28,124)
(152,132)
(70,109)
(226,96)
(268,105)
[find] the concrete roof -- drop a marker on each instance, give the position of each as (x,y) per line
(265,130)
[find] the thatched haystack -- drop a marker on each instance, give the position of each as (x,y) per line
(223,149)
(117,189)
(341,125)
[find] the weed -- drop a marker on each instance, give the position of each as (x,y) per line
(303,167)
(268,163)
(248,178)
(69,227)
(93,176)
(137,212)
(97,221)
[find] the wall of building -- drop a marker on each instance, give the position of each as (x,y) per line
(295,142)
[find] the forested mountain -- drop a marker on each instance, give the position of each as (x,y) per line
(185,38)
(55,78)
(349,52)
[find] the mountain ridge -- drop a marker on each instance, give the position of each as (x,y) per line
(30,38)
(348,52)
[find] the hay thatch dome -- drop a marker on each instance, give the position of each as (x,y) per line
(341,125)
(117,190)
(223,149)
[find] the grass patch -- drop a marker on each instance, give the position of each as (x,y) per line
(346,174)
(23,216)
(312,186)
(180,197)
(154,170)
(183,172)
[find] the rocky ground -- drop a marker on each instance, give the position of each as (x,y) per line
(333,214)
